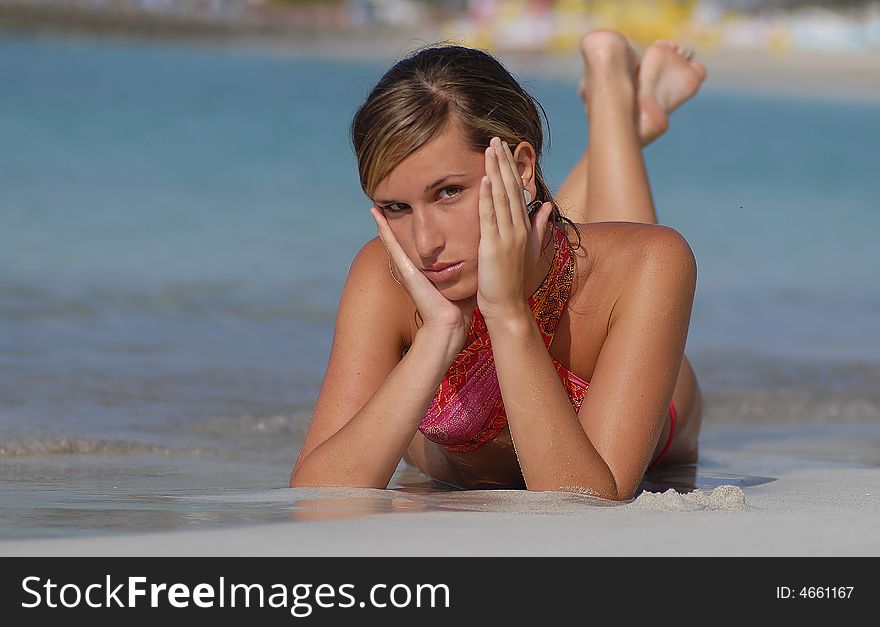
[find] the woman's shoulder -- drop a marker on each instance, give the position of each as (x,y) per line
(628,244)
(367,258)
(613,254)
(369,276)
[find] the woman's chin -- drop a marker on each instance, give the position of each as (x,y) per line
(460,290)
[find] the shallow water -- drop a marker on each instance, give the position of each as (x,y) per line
(176,224)
(93,494)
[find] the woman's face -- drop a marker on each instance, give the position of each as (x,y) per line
(431,202)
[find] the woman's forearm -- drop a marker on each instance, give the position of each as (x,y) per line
(553,450)
(367,450)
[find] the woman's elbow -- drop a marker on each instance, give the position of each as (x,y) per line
(295,479)
(302,478)
(585,488)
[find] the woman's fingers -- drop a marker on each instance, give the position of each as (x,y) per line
(507,190)
(499,192)
(435,309)
(398,256)
(488,219)
(514,187)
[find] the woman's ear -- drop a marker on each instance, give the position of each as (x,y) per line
(525,158)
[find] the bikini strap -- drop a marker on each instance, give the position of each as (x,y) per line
(549,300)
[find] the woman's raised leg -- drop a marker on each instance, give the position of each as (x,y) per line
(666,77)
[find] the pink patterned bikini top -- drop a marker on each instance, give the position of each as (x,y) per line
(467,411)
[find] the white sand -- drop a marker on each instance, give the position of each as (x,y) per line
(847,77)
(817,511)
(726,497)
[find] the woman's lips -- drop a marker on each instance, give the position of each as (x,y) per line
(446,274)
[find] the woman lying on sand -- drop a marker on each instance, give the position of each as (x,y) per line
(469,331)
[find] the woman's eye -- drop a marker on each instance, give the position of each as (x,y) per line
(445,194)
(455,191)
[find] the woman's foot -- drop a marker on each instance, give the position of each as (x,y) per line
(608,56)
(611,66)
(667,77)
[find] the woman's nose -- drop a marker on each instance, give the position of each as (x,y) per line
(428,235)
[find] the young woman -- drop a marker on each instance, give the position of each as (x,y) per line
(469,332)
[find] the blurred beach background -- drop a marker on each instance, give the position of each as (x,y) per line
(179,206)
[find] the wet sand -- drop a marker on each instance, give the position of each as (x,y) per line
(817,512)
(758,491)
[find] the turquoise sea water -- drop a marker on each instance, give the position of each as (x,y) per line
(176,224)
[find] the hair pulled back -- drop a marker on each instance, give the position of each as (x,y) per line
(433,87)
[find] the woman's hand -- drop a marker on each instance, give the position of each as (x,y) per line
(510,242)
(452,318)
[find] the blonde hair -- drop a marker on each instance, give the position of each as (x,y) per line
(433,87)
